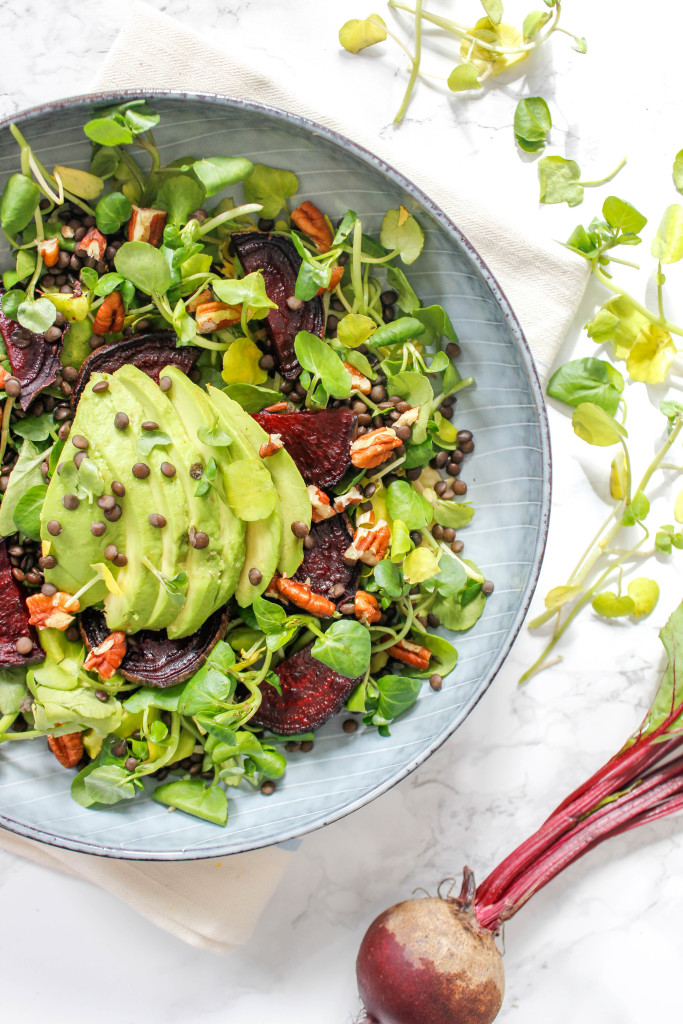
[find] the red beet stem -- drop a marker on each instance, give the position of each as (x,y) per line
(648,795)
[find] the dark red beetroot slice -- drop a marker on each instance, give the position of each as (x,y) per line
(34,360)
(151,658)
(324,566)
(311,693)
(14,616)
(149,352)
(319,442)
(280,262)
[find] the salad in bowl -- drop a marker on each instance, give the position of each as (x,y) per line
(232,490)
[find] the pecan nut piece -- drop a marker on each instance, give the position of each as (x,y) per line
(374,448)
(48,249)
(411,654)
(320,504)
(359,382)
(272,445)
(302,596)
(193,303)
(366,608)
(370,543)
(107,656)
(309,219)
(54,612)
(68,749)
(212,316)
(93,244)
(146,224)
(110,316)
(337,274)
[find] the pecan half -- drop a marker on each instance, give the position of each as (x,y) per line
(54,612)
(366,608)
(110,316)
(320,504)
(68,749)
(373,448)
(272,445)
(359,382)
(93,244)
(354,496)
(309,219)
(107,656)
(48,249)
(411,654)
(196,301)
(370,543)
(211,316)
(146,224)
(302,596)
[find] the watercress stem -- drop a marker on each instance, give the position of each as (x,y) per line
(415,68)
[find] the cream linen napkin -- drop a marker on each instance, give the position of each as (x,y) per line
(215,904)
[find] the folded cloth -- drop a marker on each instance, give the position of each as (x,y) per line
(215,904)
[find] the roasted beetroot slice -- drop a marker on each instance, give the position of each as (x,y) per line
(319,442)
(151,658)
(149,352)
(34,360)
(311,693)
(324,566)
(14,616)
(280,262)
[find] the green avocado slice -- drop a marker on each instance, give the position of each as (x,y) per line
(195,412)
(204,566)
(295,504)
(263,535)
(75,548)
(148,496)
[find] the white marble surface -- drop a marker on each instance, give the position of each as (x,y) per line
(600,945)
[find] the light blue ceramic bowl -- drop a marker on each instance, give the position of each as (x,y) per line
(508,478)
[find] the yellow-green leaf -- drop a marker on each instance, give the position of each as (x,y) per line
(241,363)
(644,593)
(613,606)
(498,36)
(354,329)
(420,565)
(651,355)
(678,507)
(359,33)
(558,596)
(631,323)
(447,432)
(667,245)
(594,425)
(463,77)
(80,183)
(617,477)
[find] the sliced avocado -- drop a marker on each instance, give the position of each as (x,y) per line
(194,411)
(295,504)
(76,547)
(204,566)
(263,536)
(167,499)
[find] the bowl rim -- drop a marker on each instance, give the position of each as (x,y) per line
(293,833)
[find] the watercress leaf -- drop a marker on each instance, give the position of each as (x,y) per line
(463,77)
(316,356)
(559,596)
(396,695)
(592,424)
(25,475)
(416,389)
(251,397)
(534,22)
(35,428)
(532,122)
(603,327)
(389,578)
(437,324)
(26,264)
(107,131)
(403,329)
(651,356)
(249,289)
(11,301)
(145,266)
(354,329)
(406,298)
(678,171)
(12,689)
(344,647)
(357,360)
(214,436)
(152,697)
(358,33)
(149,440)
(271,187)
(218,172)
(419,454)
(420,564)
(645,593)
(671,409)
(559,181)
(640,505)
(108,784)
(269,615)
(27,511)
(19,202)
(404,502)
(400,540)
(36,315)
(107,284)
(112,212)
(401,231)
(451,577)
(621,215)
(453,514)
(346,226)
(104,161)
(205,691)
(589,379)
(458,616)
(612,606)
(667,245)
(180,195)
(194,798)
